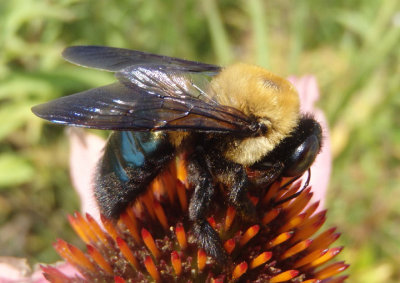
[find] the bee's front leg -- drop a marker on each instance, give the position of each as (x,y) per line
(238,194)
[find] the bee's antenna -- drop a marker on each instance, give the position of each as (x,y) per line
(298,192)
(289,182)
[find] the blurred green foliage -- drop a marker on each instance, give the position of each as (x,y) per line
(351,46)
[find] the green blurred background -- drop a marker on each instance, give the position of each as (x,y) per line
(351,46)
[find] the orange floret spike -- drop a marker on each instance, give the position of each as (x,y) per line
(325,239)
(168,179)
(181,171)
(298,204)
(53,275)
(301,246)
(326,257)
(284,276)
(239,270)
(108,225)
(157,186)
(313,281)
(311,209)
(149,242)
(62,249)
(80,258)
(131,224)
(292,223)
(160,214)
(331,270)
(315,218)
(181,191)
(271,192)
(176,263)
(309,258)
(99,259)
(310,226)
(152,269)
(148,200)
(181,235)
(286,192)
(249,234)
(260,259)
(86,227)
(201,259)
(271,215)
(230,216)
(138,206)
(78,229)
(127,253)
(131,213)
(229,245)
(97,229)
(280,239)
(212,222)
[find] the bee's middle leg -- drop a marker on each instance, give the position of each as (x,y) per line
(199,206)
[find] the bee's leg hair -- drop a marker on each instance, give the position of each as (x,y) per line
(199,205)
(238,194)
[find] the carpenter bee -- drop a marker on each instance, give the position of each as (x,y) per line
(228,121)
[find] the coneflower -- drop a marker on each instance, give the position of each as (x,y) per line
(152,241)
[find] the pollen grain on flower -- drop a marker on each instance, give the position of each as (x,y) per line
(153,240)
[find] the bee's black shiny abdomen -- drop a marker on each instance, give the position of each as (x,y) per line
(130,162)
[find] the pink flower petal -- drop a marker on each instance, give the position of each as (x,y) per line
(17,270)
(14,269)
(85,151)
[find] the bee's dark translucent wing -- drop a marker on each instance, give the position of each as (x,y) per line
(122,107)
(116,59)
(165,80)
(150,72)
(154,93)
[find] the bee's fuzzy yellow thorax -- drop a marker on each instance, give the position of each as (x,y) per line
(259,93)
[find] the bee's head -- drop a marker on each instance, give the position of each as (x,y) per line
(304,153)
(296,152)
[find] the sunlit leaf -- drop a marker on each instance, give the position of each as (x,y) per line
(14,170)
(13,116)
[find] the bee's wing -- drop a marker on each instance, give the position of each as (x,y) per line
(119,107)
(154,93)
(116,59)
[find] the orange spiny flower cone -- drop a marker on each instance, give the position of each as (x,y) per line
(153,241)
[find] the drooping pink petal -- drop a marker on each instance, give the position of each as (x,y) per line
(14,269)
(85,151)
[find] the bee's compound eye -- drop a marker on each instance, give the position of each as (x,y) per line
(302,157)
